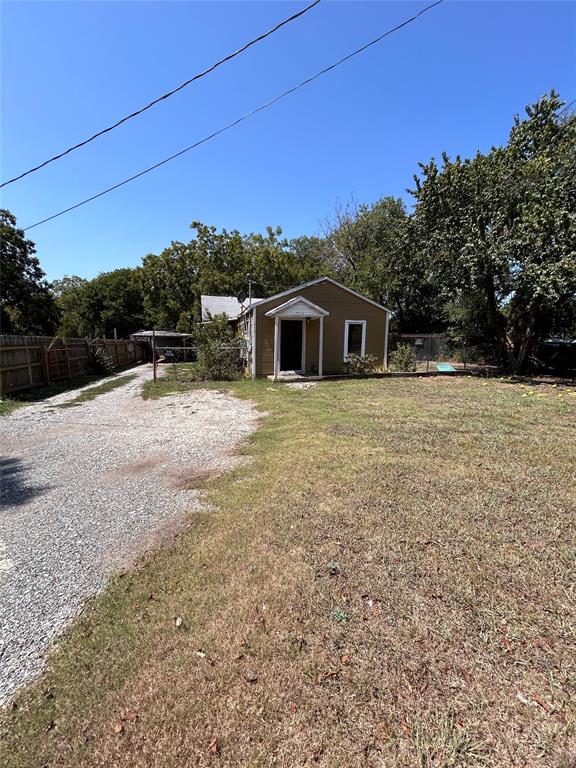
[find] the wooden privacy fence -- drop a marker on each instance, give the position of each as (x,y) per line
(65,359)
(34,361)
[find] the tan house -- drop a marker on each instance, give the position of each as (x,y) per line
(312,328)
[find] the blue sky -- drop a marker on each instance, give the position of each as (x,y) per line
(451,81)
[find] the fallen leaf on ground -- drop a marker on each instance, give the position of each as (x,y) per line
(539,701)
(507,643)
(466,675)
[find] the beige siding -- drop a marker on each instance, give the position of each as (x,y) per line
(342,306)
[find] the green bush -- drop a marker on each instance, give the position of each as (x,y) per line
(403,359)
(99,361)
(217,351)
(471,354)
(361,363)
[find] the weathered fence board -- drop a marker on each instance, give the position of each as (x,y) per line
(34,361)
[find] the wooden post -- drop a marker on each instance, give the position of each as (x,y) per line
(276,347)
(321,347)
(253,359)
(386,330)
(67,356)
(154,354)
(46,365)
(28,361)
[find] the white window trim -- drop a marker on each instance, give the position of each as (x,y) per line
(347,324)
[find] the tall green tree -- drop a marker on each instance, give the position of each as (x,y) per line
(168,282)
(311,256)
(70,296)
(112,301)
(26,303)
(220,263)
(542,152)
(502,225)
(373,249)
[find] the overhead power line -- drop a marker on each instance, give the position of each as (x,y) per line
(164,96)
(253,112)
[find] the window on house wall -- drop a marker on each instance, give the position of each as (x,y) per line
(354,338)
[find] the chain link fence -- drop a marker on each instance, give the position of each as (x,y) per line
(431,351)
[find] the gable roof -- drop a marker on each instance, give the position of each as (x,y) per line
(311,309)
(260,302)
(221,305)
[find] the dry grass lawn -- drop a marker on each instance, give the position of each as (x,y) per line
(389,582)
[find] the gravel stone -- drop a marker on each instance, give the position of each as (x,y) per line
(85,490)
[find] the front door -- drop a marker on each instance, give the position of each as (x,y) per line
(291,345)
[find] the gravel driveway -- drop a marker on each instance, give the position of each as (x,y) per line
(85,490)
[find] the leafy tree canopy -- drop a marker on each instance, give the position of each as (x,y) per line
(219,263)
(26,304)
(502,226)
(372,249)
(95,308)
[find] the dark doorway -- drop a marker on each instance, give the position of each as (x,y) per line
(291,345)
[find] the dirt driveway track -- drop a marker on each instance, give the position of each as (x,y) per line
(85,490)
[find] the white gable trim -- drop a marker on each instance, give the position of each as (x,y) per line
(315,282)
(290,309)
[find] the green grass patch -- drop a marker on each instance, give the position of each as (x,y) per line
(388,582)
(89,394)
(8,406)
(43,393)
(50,390)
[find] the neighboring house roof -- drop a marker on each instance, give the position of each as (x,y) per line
(315,282)
(222,305)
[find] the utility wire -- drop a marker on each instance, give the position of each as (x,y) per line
(165,95)
(565,109)
(253,112)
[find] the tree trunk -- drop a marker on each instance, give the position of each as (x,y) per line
(528,341)
(495,320)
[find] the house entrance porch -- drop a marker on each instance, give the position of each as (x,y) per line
(291,325)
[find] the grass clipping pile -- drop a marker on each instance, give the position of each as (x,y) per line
(390,582)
